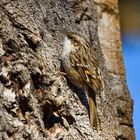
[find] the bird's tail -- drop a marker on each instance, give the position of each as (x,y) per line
(92,109)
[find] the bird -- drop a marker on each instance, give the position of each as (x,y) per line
(82,69)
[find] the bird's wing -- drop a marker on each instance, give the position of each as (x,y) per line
(88,70)
(91,77)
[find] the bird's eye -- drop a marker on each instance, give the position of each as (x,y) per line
(75,44)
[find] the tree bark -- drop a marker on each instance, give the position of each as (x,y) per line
(36,100)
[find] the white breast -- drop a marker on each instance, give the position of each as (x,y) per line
(66,47)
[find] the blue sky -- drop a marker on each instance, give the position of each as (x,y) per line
(131,54)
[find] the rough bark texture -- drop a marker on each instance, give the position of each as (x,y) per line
(36,101)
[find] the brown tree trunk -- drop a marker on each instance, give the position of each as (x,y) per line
(36,100)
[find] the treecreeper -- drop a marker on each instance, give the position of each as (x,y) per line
(82,69)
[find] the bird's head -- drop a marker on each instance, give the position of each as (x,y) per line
(73,42)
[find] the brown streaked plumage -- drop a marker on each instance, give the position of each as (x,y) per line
(82,69)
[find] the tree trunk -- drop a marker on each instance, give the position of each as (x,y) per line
(36,100)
